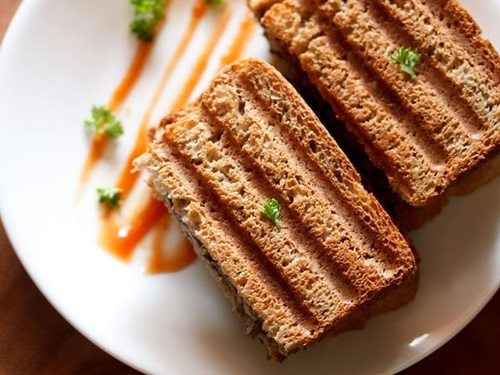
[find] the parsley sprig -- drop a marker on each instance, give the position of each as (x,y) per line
(272,210)
(103,122)
(109,196)
(146,16)
(407,59)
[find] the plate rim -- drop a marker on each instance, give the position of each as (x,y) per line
(16,26)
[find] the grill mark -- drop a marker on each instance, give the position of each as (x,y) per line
(421,152)
(290,38)
(469,91)
(419,94)
(311,165)
(463,29)
(381,93)
(313,162)
(173,167)
(301,212)
(382,154)
(359,241)
(340,295)
(390,108)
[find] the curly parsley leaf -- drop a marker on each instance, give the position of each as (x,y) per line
(103,122)
(109,196)
(407,59)
(272,210)
(146,16)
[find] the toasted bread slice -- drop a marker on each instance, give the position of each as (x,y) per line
(337,256)
(423,133)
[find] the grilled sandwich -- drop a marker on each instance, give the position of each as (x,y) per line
(425,132)
(328,258)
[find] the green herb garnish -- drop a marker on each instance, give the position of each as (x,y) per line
(146,16)
(103,122)
(214,2)
(109,196)
(272,210)
(407,59)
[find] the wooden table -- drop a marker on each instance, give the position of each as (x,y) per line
(35,339)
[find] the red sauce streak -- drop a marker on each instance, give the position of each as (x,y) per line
(116,100)
(245,32)
(128,178)
(129,80)
(168,260)
(202,62)
(135,69)
(96,151)
(122,240)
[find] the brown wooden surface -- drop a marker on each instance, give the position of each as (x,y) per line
(35,339)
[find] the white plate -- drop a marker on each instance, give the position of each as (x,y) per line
(58,58)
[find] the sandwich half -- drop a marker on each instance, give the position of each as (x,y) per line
(328,258)
(425,132)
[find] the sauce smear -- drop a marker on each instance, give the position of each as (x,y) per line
(128,179)
(168,260)
(132,75)
(245,32)
(122,239)
(202,62)
(96,151)
(121,92)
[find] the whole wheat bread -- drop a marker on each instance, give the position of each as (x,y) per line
(425,134)
(338,256)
